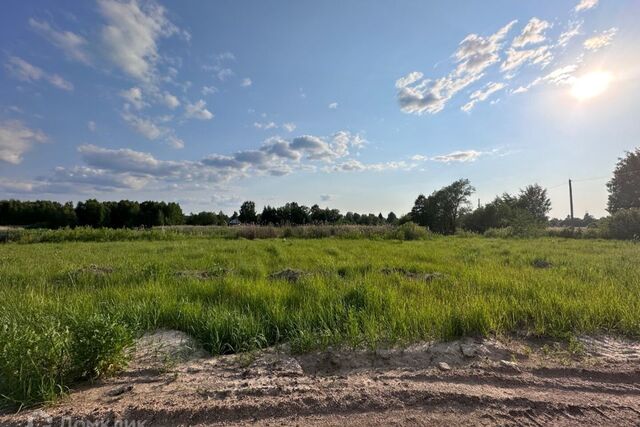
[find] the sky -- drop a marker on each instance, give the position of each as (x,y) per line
(347,104)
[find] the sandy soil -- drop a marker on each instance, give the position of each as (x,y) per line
(469,382)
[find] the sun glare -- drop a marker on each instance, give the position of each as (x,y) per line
(590,85)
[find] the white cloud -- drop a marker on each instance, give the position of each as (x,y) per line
(126,160)
(134,97)
(333,105)
(289,127)
(482,94)
(559,76)
(91,125)
(144,127)
(357,166)
(246,82)
(73,45)
(22,70)
(209,90)
(326,197)
(265,126)
(407,80)
(517,58)
(418,95)
(131,34)
(15,187)
(175,142)
(314,147)
(16,139)
(224,73)
(170,100)
(95,178)
(458,156)
(572,31)
(533,33)
(585,5)
(601,40)
(199,111)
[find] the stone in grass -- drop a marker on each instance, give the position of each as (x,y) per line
(120,390)
(288,274)
(541,263)
(444,366)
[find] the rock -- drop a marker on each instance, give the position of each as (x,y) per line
(509,364)
(468,350)
(444,366)
(120,390)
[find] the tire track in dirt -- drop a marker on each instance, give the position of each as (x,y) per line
(469,382)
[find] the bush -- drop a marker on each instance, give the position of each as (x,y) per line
(624,225)
(411,231)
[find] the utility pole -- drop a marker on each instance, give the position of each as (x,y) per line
(571,198)
(478,203)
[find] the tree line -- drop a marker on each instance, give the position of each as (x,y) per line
(443,211)
(90,213)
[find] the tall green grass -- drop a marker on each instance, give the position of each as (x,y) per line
(68,310)
(408,231)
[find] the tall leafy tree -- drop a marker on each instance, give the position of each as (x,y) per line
(442,209)
(248,213)
(534,200)
(624,187)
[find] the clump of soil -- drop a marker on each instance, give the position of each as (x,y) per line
(164,347)
(96,269)
(288,274)
(425,277)
(541,263)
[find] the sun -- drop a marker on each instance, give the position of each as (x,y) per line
(590,85)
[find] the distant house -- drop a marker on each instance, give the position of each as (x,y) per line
(234,221)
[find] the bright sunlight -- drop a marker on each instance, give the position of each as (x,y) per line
(590,85)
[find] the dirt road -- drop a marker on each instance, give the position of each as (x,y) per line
(468,382)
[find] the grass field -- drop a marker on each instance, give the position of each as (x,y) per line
(68,310)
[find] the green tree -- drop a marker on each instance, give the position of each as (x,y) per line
(442,209)
(624,187)
(248,213)
(534,200)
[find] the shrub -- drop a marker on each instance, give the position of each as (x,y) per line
(624,224)
(411,231)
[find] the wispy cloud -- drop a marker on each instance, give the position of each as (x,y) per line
(131,35)
(73,45)
(22,70)
(198,110)
(418,95)
(482,94)
(585,5)
(601,40)
(16,139)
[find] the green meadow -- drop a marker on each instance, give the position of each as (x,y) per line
(70,310)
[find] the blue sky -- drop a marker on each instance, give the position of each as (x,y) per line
(339,103)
